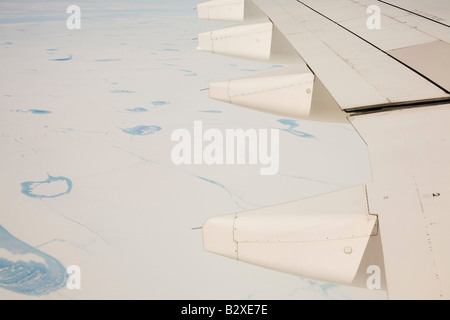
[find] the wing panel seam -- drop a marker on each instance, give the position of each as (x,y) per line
(414,13)
(378,48)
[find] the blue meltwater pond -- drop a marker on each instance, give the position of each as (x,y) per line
(51,188)
(26,270)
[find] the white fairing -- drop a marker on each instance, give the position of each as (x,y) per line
(288,91)
(251,41)
(222,10)
(321,237)
(218,235)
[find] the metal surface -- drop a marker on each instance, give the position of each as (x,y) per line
(410,159)
(436,10)
(430,59)
(393,83)
(356,72)
(322,237)
(287,91)
(251,41)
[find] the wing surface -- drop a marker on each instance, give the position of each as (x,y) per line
(384,66)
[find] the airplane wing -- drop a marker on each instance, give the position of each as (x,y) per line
(383,66)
